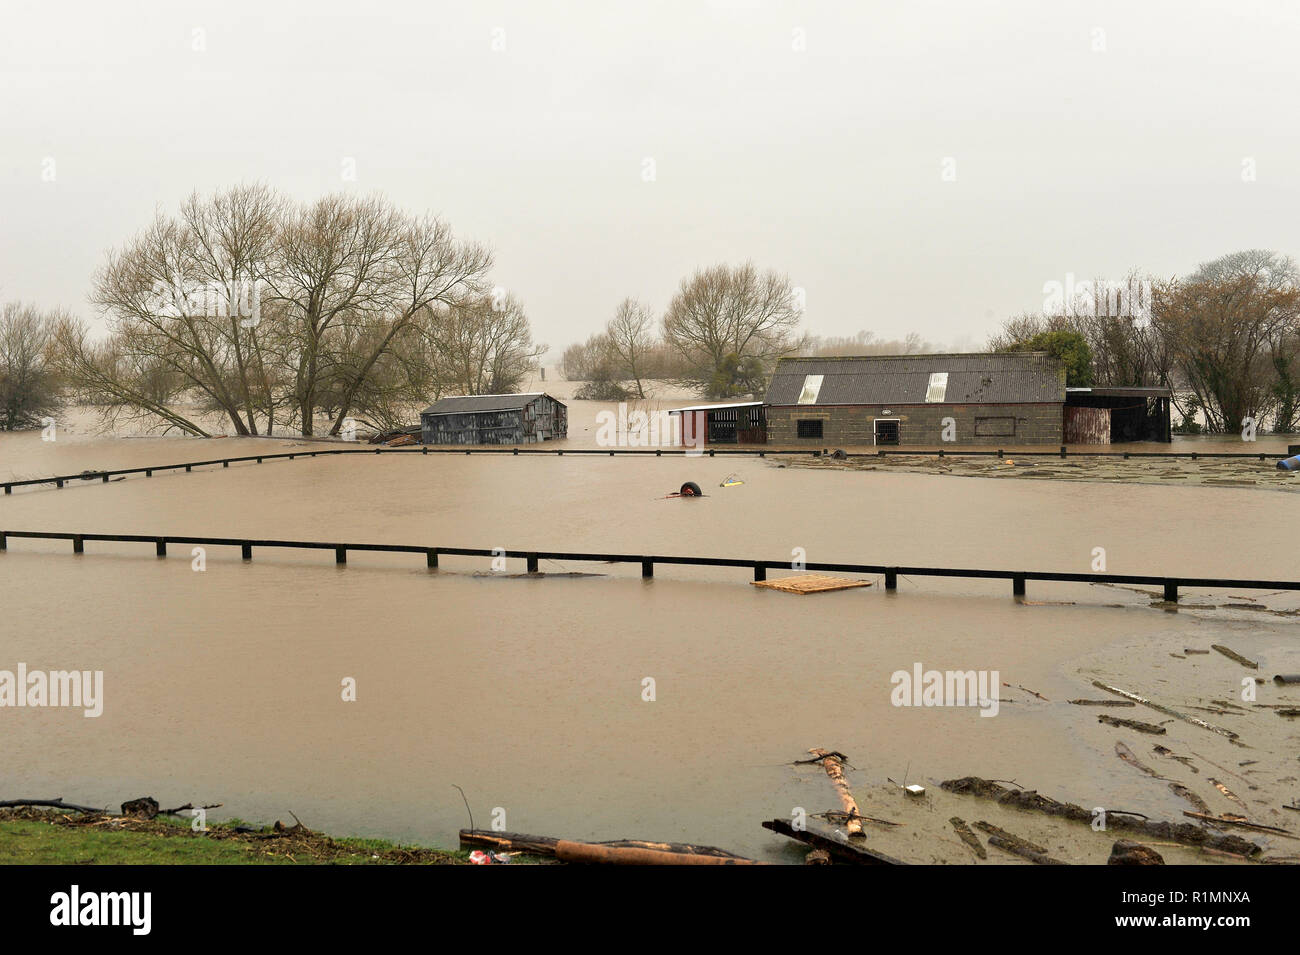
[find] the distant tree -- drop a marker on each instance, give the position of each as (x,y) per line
(29,383)
(482,345)
(1068,347)
(729,325)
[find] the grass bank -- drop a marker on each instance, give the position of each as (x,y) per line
(47,837)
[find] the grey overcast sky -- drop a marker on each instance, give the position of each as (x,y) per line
(1085,138)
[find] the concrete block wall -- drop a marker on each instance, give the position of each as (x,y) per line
(919,425)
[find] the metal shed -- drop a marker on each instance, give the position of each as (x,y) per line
(1013,398)
(494,419)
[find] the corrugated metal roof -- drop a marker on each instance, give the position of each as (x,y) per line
(460,404)
(738,404)
(980,378)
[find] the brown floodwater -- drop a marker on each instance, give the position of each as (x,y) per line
(225,685)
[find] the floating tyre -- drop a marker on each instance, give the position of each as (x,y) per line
(691,489)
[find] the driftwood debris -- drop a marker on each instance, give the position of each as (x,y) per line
(1124,852)
(1132,725)
(1232,654)
(547,846)
(146,807)
(595,853)
(1185,760)
(839,847)
(1126,754)
(1184,833)
(1160,708)
(1241,823)
(1103,703)
(967,836)
(1009,842)
(833,763)
(55,803)
(1200,804)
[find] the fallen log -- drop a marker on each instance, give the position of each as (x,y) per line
(1137,725)
(1017,848)
(1159,708)
(1184,833)
(1234,655)
(833,763)
(968,837)
(1103,703)
(545,846)
(592,853)
(55,803)
(840,849)
(1240,824)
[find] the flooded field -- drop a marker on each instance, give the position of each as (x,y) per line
(224,685)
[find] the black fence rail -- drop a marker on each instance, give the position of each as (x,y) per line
(759,568)
(59,480)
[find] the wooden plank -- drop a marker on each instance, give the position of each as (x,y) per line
(839,847)
(811,584)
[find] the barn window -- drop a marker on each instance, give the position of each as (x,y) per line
(812,386)
(938,387)
(886,431)
(810,428)
(995,427)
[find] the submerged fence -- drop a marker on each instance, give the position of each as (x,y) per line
(759,568)
(59,480)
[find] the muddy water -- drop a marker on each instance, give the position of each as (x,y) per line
(224,685)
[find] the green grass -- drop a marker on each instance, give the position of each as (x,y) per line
(33,842)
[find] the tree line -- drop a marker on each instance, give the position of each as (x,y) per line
(1225,339)
(271,313)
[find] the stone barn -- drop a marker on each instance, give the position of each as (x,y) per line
(993,399)
(494,419)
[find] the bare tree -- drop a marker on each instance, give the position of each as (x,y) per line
(729,325)
(29,384)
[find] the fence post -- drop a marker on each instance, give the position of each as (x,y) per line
(431,558)
(58,483)
(340,555)
(9,488)
(160,547)
(1171,590)
(246,551)
(78,545)
(760,572)
(647,568)
(1018,585)
(4,541)
(891,578)
(105,477)
(532,563)
(1062,451)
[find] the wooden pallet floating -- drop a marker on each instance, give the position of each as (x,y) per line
(811,584)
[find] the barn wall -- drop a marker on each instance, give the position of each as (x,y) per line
(921,425)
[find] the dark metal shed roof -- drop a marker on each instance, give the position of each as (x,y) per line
(462,404)
(980,378)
